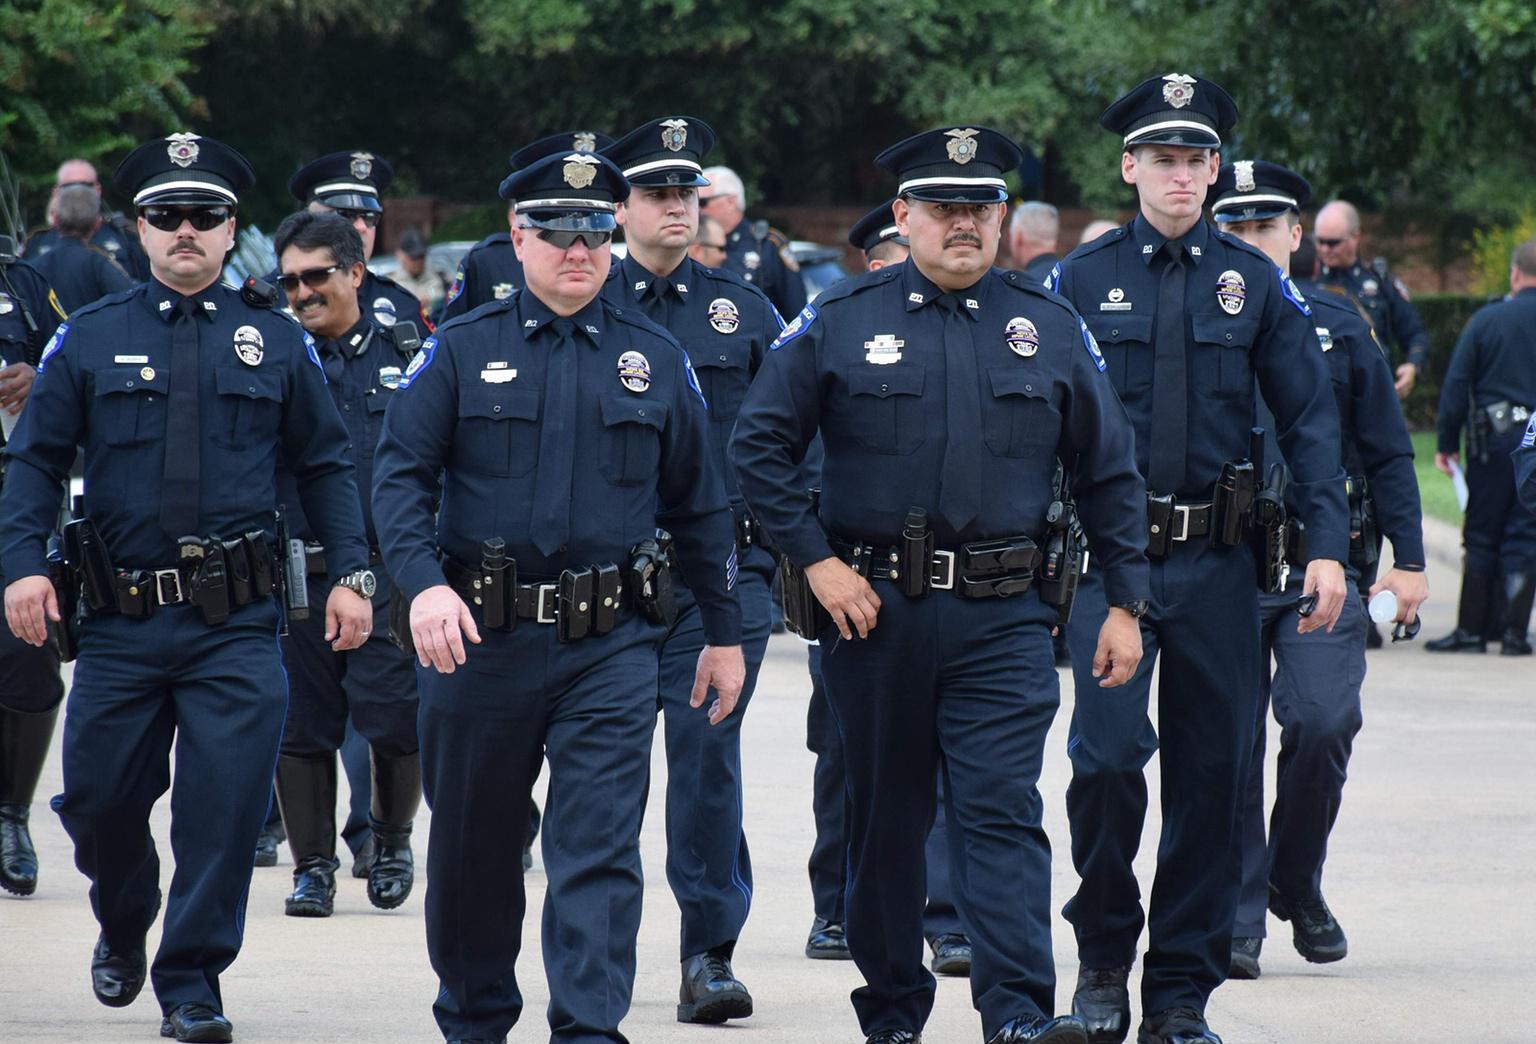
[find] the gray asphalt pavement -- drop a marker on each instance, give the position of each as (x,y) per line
(1429,873)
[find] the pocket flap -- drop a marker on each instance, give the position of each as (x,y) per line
(1014,380)
(496,402)
(131,379)
(248,383)
(1224,330)
(1112,329)
(886,381)
(630,409)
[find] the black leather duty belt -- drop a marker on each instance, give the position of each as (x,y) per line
(984,569)
(1180,521)
(580,603)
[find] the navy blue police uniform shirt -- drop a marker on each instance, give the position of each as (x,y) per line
(467,419)
(80,274)
(724,323)
(1396,320)
(120,247)
(1243,318)
(489,272)
(103,387)
(388,303)
(759,260)
(865,366)
(25,292)
(1494,361)
(365,370)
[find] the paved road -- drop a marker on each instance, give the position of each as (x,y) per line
(1429,873)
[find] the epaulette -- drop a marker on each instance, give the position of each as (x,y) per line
(1108,239)
(1017,280)
(640,321)
(105,302)
(854,284)
(725,275)
(491,307)
(1228,239)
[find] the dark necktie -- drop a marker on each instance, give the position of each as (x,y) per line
(179,492)
(557,443)
(657,308)
(333,361)
(960,485)
(1170,380)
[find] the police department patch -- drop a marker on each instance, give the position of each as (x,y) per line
(634,371)
(797,326)
(54,344)
(723,315)
(248,345)
(1231,291)
(1093,347)
(1529,438)
(1022,337)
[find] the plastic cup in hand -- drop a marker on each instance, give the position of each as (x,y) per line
(1383,606)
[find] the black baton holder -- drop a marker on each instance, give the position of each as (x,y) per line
(498,586)
(573,617)
(917,546)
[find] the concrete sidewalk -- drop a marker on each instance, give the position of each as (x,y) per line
(1429,873)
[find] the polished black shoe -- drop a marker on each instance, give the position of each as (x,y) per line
(951,955)
(117,976)
(827,942)
(197,1022)
(1317,935)
(1103,1002)
(18,859)
(314,891)
(711,993)
(1514,644)
(392,874)
(1245,957)
(1176,1026)
(1458,641)
(894,1037)
(266,844)
(1037,1029)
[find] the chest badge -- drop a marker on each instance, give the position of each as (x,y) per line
(634,372)
(1325,338)
(1116,302)
(1369,287)
(384,311)
(1231,291)
(389,377)
(147,373)
(723,316)
(248,346)
(752,259)
(883,349)
(502,291)
(1023,339)
(6,305)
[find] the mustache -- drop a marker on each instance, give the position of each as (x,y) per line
(963,237)
(313,299)
(187,246)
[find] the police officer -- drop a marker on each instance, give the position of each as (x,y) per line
(350,183)
(1316,680)
(1033,229)
(114,234)
(1187,317)
(555,423)
(1490,389)
(491,270)
(1381,294)
(725,325)
(755,250)
(79,272)
(185,397)
(321,259)
(30,686)
(876,236)
(943,390)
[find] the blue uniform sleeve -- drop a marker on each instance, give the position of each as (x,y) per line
(111,277)
(40,452)
(698,515)
(1456,391)
(413,447)
(1294,380)
(1407,327)
(778,420)
(1386,451)
(1111,494)
(1525,466)
(317,452)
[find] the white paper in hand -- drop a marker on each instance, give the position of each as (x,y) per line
(1459,483)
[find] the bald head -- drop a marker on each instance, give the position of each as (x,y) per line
(77,172)
(1338,234)
(1032,231)
(1096,229)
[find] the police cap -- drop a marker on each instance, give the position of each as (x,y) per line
(665,151)
(343,181)
(1172,110)
(874,228)
(575,191)
(565,141)
(953,165)
(1250,190)
(184,168)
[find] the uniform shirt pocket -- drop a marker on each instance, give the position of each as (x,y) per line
(1126,344)
(1220,360)
(885,403)
(131,409)
(724,375)
(631,441)
(1019,419)
(250,407)
(498,431)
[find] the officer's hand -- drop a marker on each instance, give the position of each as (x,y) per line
(29,605)
(1443,462)
(722,668)
(1406,375)
(1326,578)
(845,594)
(348,619)
(1119,651)
(15,385)
(1411,590)
(439,623)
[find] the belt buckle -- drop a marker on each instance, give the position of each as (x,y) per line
(174,575)
(943,578)
(1181,531)
(547,597)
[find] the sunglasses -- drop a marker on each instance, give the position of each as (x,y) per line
(369,218)
(562,239)
(169,219)
(1329,243)
(314,278)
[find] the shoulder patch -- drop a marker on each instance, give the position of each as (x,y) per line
(420,361)
(458,285)
(54,344)
(1092,346)
(314,356)
(1292,292)
(693,378)
(1053,279)
(801,323)
(1529,438)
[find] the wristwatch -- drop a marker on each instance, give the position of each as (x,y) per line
(1136,609)
(361,582)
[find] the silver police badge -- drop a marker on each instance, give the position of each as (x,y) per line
(1022,337)
(1369,287)
(723,316)
(248,345)
(384,311)
(961,145)
(1178,90)
(585,141)
(1325,338)
(362,164)
(182,148)
(580,170)
(1231,291)
(389,377)
(1242,171)
(7,306)
(674,135)
(502,291)
(752,259)
(634,371)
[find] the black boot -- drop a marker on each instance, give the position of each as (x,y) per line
(1471,616)
(396,796)
(306,789)
(24,742)
(1519,592)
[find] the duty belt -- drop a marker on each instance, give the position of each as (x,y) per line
(984,569)
(750,533)
(580,603)
(1181,521)
(1503,416)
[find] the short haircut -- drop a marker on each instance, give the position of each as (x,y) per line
(725,183)
(1036,221)
(705,222)
(76,211)
(1524,258)
(309,230)
(1304,258)
(889,251)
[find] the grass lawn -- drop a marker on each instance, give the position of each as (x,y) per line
(1434,488)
